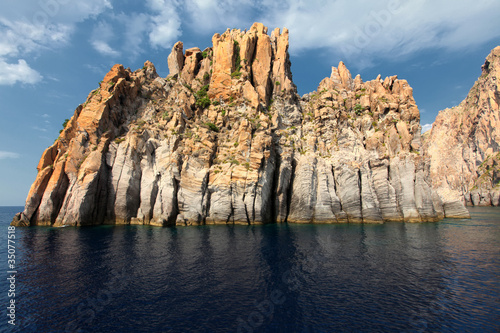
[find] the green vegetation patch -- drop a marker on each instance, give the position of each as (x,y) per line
(237,62)
(212,127)
(201,96)
(358,108)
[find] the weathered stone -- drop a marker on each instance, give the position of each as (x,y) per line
(348,190)
(176,58)
(261,67)
(165,151)
(463,144)
(191,64)
(370,207)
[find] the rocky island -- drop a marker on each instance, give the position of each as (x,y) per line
(225,138)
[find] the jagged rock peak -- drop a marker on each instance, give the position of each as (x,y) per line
(248,63)
(225,138)
(464,142)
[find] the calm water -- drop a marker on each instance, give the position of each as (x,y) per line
(277,278)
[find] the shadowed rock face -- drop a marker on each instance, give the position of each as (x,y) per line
(225,138)
(463,146)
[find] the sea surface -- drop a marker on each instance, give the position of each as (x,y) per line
(394,277)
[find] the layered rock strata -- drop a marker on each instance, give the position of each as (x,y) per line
(463,146)
(225,138)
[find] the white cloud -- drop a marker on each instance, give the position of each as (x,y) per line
(213,15)
(391,28)
(136,26)
(104,49)
(165,22)
(32,26)
(21,36)
(101,36)
(159,25)
(356,31)
(21,72)
(8,155)
(38,128)
(426,127)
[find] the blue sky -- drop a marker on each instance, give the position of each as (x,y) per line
(54,52)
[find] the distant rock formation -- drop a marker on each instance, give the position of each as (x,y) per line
(225,138)
(463,146)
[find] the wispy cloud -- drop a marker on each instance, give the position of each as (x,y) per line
(385,29)
(165,22)
(426,127)
(11,74)
(103,48)
(212,15)
(136,25)
(101,36)
(32,26)
(99,69)
(38,128)
(357,30)
(8,155)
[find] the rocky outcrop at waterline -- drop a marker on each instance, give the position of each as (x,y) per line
(225,138)
(464,144)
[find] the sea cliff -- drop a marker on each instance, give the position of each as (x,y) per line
(225,138)
(463,146)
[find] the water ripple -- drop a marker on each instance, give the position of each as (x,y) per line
(275,278)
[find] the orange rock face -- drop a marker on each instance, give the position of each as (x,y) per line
(225,138)
(239,62)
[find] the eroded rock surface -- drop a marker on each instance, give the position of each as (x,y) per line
(464,143)
(225,138)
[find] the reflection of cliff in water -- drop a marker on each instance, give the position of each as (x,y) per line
(273,277)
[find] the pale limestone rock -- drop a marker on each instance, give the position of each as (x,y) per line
(176,58)
(465,138)
(348,191)
(303,191)
(386,194)
(370,206)
(192,193)
(402,175)
(53,195)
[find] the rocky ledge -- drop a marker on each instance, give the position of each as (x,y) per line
(225,138)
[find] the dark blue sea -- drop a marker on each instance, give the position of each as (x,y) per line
(394,277)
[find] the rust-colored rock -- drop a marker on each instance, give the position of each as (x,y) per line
(192,60)
(205,145)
